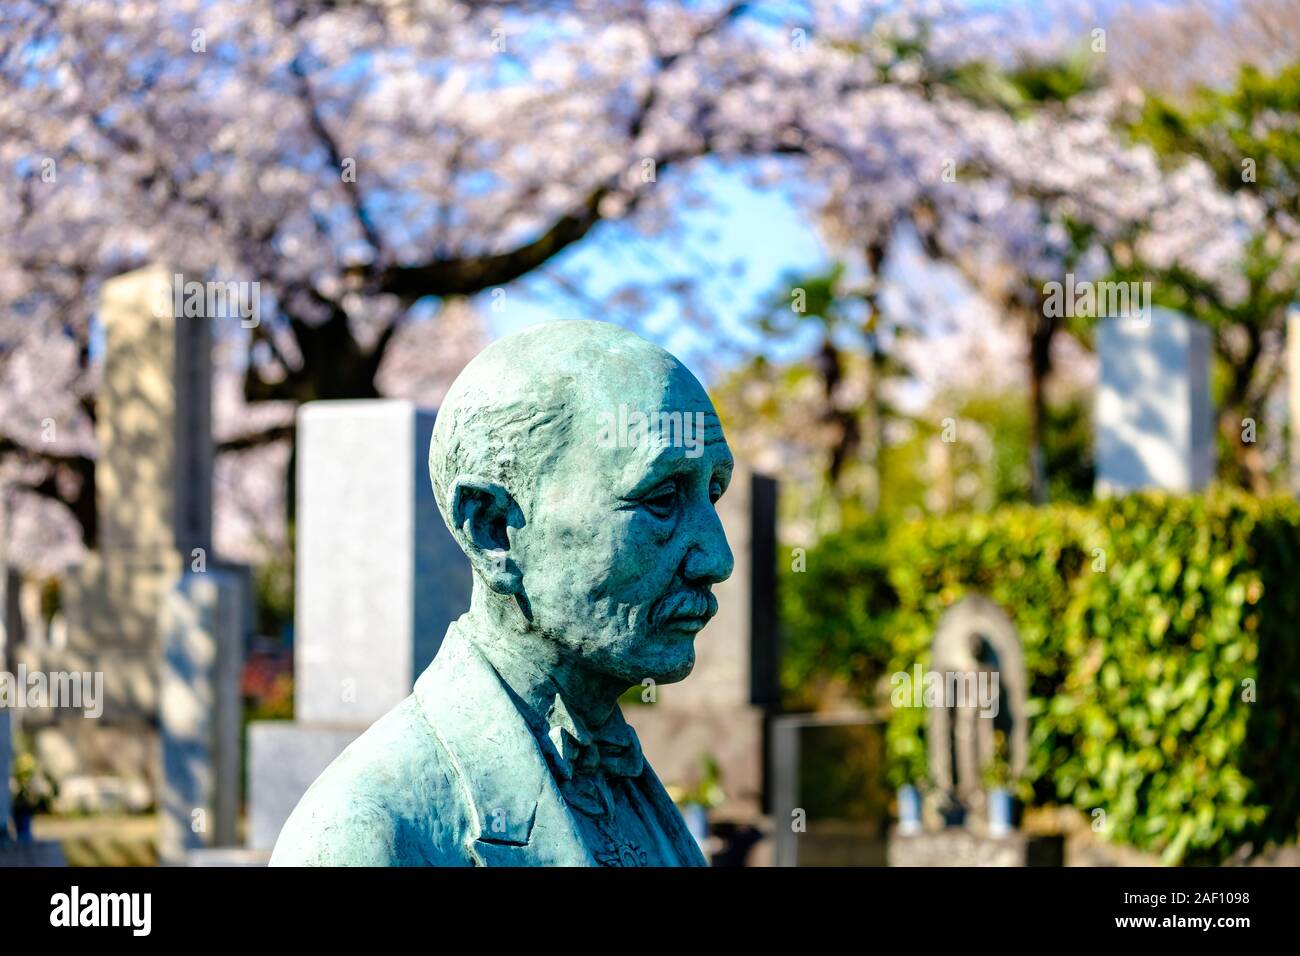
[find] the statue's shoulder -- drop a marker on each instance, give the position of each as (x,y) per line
(392,798)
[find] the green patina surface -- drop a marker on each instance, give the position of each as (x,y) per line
(578,467)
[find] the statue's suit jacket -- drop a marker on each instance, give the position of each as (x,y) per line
(452,776)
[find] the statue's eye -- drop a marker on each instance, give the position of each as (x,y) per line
(715,491)
(662,501)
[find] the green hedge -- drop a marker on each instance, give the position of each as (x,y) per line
(1137,675)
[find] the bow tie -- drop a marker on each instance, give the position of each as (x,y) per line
(611,748)
(584,759)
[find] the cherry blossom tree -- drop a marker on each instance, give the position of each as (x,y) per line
(357,158)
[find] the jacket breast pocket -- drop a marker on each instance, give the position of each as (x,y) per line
(490,853)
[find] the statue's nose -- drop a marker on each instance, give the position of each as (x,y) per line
(709,558)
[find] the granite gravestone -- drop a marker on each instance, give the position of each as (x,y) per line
(594,553)
(378,581)
(204,630)
(1153,414)
(153,494)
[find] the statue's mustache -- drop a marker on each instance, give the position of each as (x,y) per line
(690,602)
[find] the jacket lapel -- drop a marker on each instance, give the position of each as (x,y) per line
(519,817)
(683,842)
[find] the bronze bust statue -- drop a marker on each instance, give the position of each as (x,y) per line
(578,467)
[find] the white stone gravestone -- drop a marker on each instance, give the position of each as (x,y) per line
(379,578)
(1154,425)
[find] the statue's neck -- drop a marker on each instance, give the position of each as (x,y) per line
(536,668)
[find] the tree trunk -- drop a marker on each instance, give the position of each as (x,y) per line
(1041,330)
(875,425)
(1246,467)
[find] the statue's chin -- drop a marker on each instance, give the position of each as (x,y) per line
(664,668)
(678,674)
(664,656)
(673,667)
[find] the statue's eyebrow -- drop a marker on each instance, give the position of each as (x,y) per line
(663,466)
(671,463)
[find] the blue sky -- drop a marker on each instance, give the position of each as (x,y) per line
(762,233)
(736,247)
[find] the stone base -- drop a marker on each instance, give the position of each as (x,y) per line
(678,740)
(110,603)
(99,768)
(31,853)
(855,843)
(102,764)
(103,795)
(227,856)
(284,759)
(958,847)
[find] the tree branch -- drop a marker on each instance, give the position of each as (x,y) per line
(259,439)
(317,124)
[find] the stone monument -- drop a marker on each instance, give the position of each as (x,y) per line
(128,606)
(975,639)
(204,631)
(594,550)
(1154,425)
(379,579)
(153,493)
(975,691)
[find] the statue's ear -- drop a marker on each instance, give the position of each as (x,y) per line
(483,511)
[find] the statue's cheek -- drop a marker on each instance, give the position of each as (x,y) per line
(643,529)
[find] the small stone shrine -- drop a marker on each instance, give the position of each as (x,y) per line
(975,695)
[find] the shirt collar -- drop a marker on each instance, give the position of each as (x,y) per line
(613,746)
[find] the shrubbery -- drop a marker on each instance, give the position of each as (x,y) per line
(1164,690)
